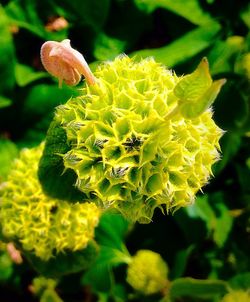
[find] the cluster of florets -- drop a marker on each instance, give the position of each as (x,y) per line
(147,272)
(39,224)
(127,149)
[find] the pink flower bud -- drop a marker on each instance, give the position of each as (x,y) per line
(65,63)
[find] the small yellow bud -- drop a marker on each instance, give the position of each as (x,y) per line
(147,272)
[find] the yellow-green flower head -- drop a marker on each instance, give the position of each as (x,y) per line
(42,225)
(237,296)
(137,139)
(147,272)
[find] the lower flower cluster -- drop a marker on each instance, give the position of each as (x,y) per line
(42,225)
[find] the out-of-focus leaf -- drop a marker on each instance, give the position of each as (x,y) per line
(192,226)
(232,109)
(218,219)
(197,288)
(24,14)
(241,281)
(65,263)
(90,12)
(4,102)
(224,220)
(43,98)
(110,235)
(35,134)
(242,67)
(100,275)
(245,15)
(26,18)
(202,209)
(8,151)
(26,75)
(185,47)
(243,177)
(224,53)
(230,144)
(190,10)
(7,54)
(107,48)
(6,267)
(111,230)
(120,293)
(180,262)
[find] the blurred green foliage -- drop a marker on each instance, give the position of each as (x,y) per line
(209,240)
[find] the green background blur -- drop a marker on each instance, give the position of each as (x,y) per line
(209,240)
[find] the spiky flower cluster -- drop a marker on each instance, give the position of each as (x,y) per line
(42,225)
(236,296)
(147,272)
(128,149)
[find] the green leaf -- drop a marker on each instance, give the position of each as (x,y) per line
(180,262)
(111,230)
(202,209)
(193,85)
(25,18)
(223,55)
(109,234)
(197,288)
(217,218)
(26,75)
(190,10)
(42,99)
(245,15)
(100,275)
(65,263)
(7,54)
(6,267)
(195,108)
(55,181)
(8,151)
(185,47)
(4,102)
(120,293)
(107,48)
(241,281)
(91,12)
(243,173)
(24,14)
(237,112)
(224,222)
(196,91)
